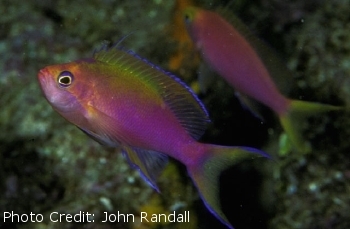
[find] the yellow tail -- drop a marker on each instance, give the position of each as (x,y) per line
(298,111)
(205,174)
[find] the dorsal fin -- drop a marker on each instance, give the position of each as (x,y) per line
(180,98)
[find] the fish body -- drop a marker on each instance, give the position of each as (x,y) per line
(121,100)
(232,53)
(95,107)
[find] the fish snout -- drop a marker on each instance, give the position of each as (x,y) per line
(45,82)
(43,76)
(42,73)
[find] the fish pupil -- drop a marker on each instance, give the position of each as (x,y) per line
(187,18)
(65,79)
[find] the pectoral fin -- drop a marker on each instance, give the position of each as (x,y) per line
(100,139)
(250,105)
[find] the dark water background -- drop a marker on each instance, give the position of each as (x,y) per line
(47,165)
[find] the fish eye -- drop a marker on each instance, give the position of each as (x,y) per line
(187,18)
(65,79)
(188,15)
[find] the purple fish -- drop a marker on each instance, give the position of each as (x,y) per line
(121,100)
(233,52)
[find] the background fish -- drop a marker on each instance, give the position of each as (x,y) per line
(120,100)
(235,54)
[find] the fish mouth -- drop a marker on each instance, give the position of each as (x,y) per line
(42,75)
(43,78)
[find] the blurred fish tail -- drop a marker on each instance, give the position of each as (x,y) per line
(206,173)
(299,110)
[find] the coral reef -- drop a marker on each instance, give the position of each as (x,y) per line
(47,165)
(311,190)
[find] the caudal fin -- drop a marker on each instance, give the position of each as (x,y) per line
(298,111)
(206,173)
